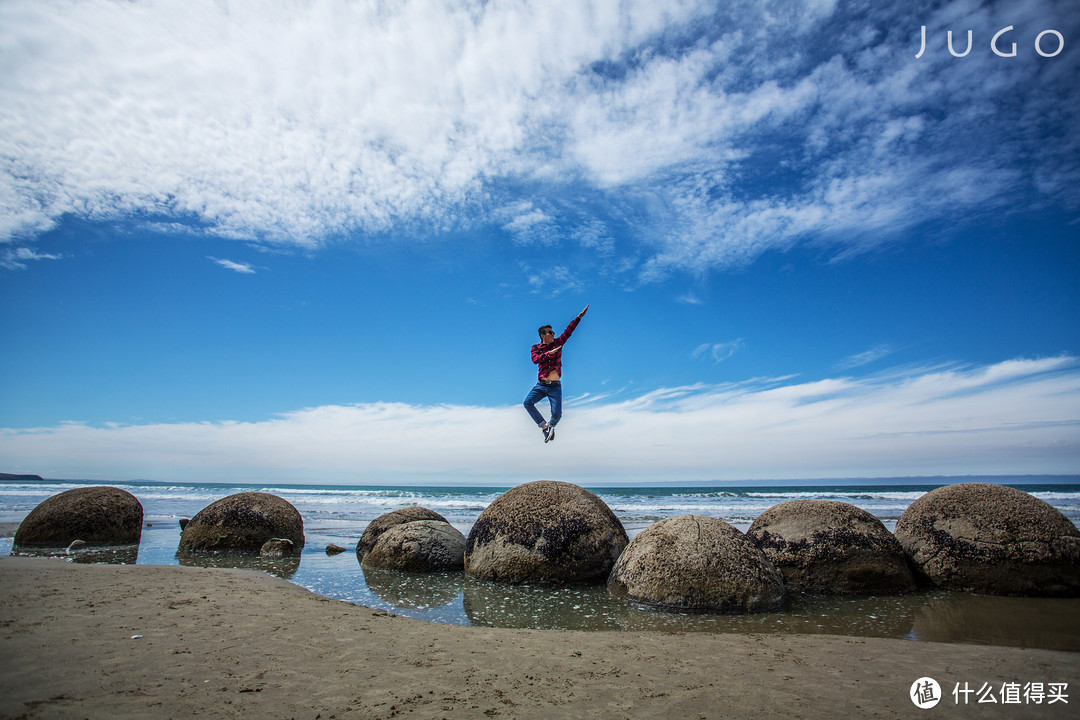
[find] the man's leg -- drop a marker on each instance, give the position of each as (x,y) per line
(555,398)
(536,395)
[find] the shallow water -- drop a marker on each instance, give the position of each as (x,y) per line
(454,598)
(338,515)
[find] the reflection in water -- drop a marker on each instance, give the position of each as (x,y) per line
(415,591)
(283,567)
(547,607)
(89,554)
(998,620)
(454,598)
(593,608)
(938,616)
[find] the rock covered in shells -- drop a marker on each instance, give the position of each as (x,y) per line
(95,515)
(987,538)
(696,563)
(826,546)
(546,532)
(243,523)
(418,546)
(388,520)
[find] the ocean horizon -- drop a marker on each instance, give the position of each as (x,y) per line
(935,480)
(737,502)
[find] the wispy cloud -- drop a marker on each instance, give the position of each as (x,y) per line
(291,122)
(866,357)
(17,258)
(1015,417)
(528,224)
(551,280)
(717,352)
(243,268)
(711,133)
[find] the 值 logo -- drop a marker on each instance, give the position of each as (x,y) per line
(925,693)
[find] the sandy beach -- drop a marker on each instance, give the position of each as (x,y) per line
(106,641)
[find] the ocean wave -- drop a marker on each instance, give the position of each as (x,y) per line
(464,504)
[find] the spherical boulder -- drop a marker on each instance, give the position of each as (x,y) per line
(96,515)
(243,523)
(696,563)
(419,546)
(830,547)
(388,520)
(993,539)
(545,532)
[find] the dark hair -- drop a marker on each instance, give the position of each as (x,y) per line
(540,330)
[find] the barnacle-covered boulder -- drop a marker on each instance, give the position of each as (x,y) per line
(994,539)
(831,547)
(95,515)
(419,546)
(388,520)
(696,563)
(243,522)
(545,532)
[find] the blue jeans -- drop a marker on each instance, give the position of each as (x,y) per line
(553,392)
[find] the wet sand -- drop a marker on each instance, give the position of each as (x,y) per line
(226,643)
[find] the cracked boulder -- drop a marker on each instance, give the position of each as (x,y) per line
(994,539)
(95,515)
(419,546)
(699,564)
(388,520)
(545,532)
(243,522)
(831,547)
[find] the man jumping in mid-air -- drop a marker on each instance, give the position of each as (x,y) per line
(547,354)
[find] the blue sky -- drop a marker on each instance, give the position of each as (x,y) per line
(313,241)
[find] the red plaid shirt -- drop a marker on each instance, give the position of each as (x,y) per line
(548,363)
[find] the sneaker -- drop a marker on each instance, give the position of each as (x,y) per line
(549,434)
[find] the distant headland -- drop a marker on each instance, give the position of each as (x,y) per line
(21,478)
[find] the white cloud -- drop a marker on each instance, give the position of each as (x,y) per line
(866,357)
(726,130)
(527,223)
(718,352)
(243,268)
(1015,417)
(16,258)
(286,121)
(551,280)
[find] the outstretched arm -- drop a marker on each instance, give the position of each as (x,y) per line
(570,328)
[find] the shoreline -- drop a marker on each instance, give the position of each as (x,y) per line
(229,643)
